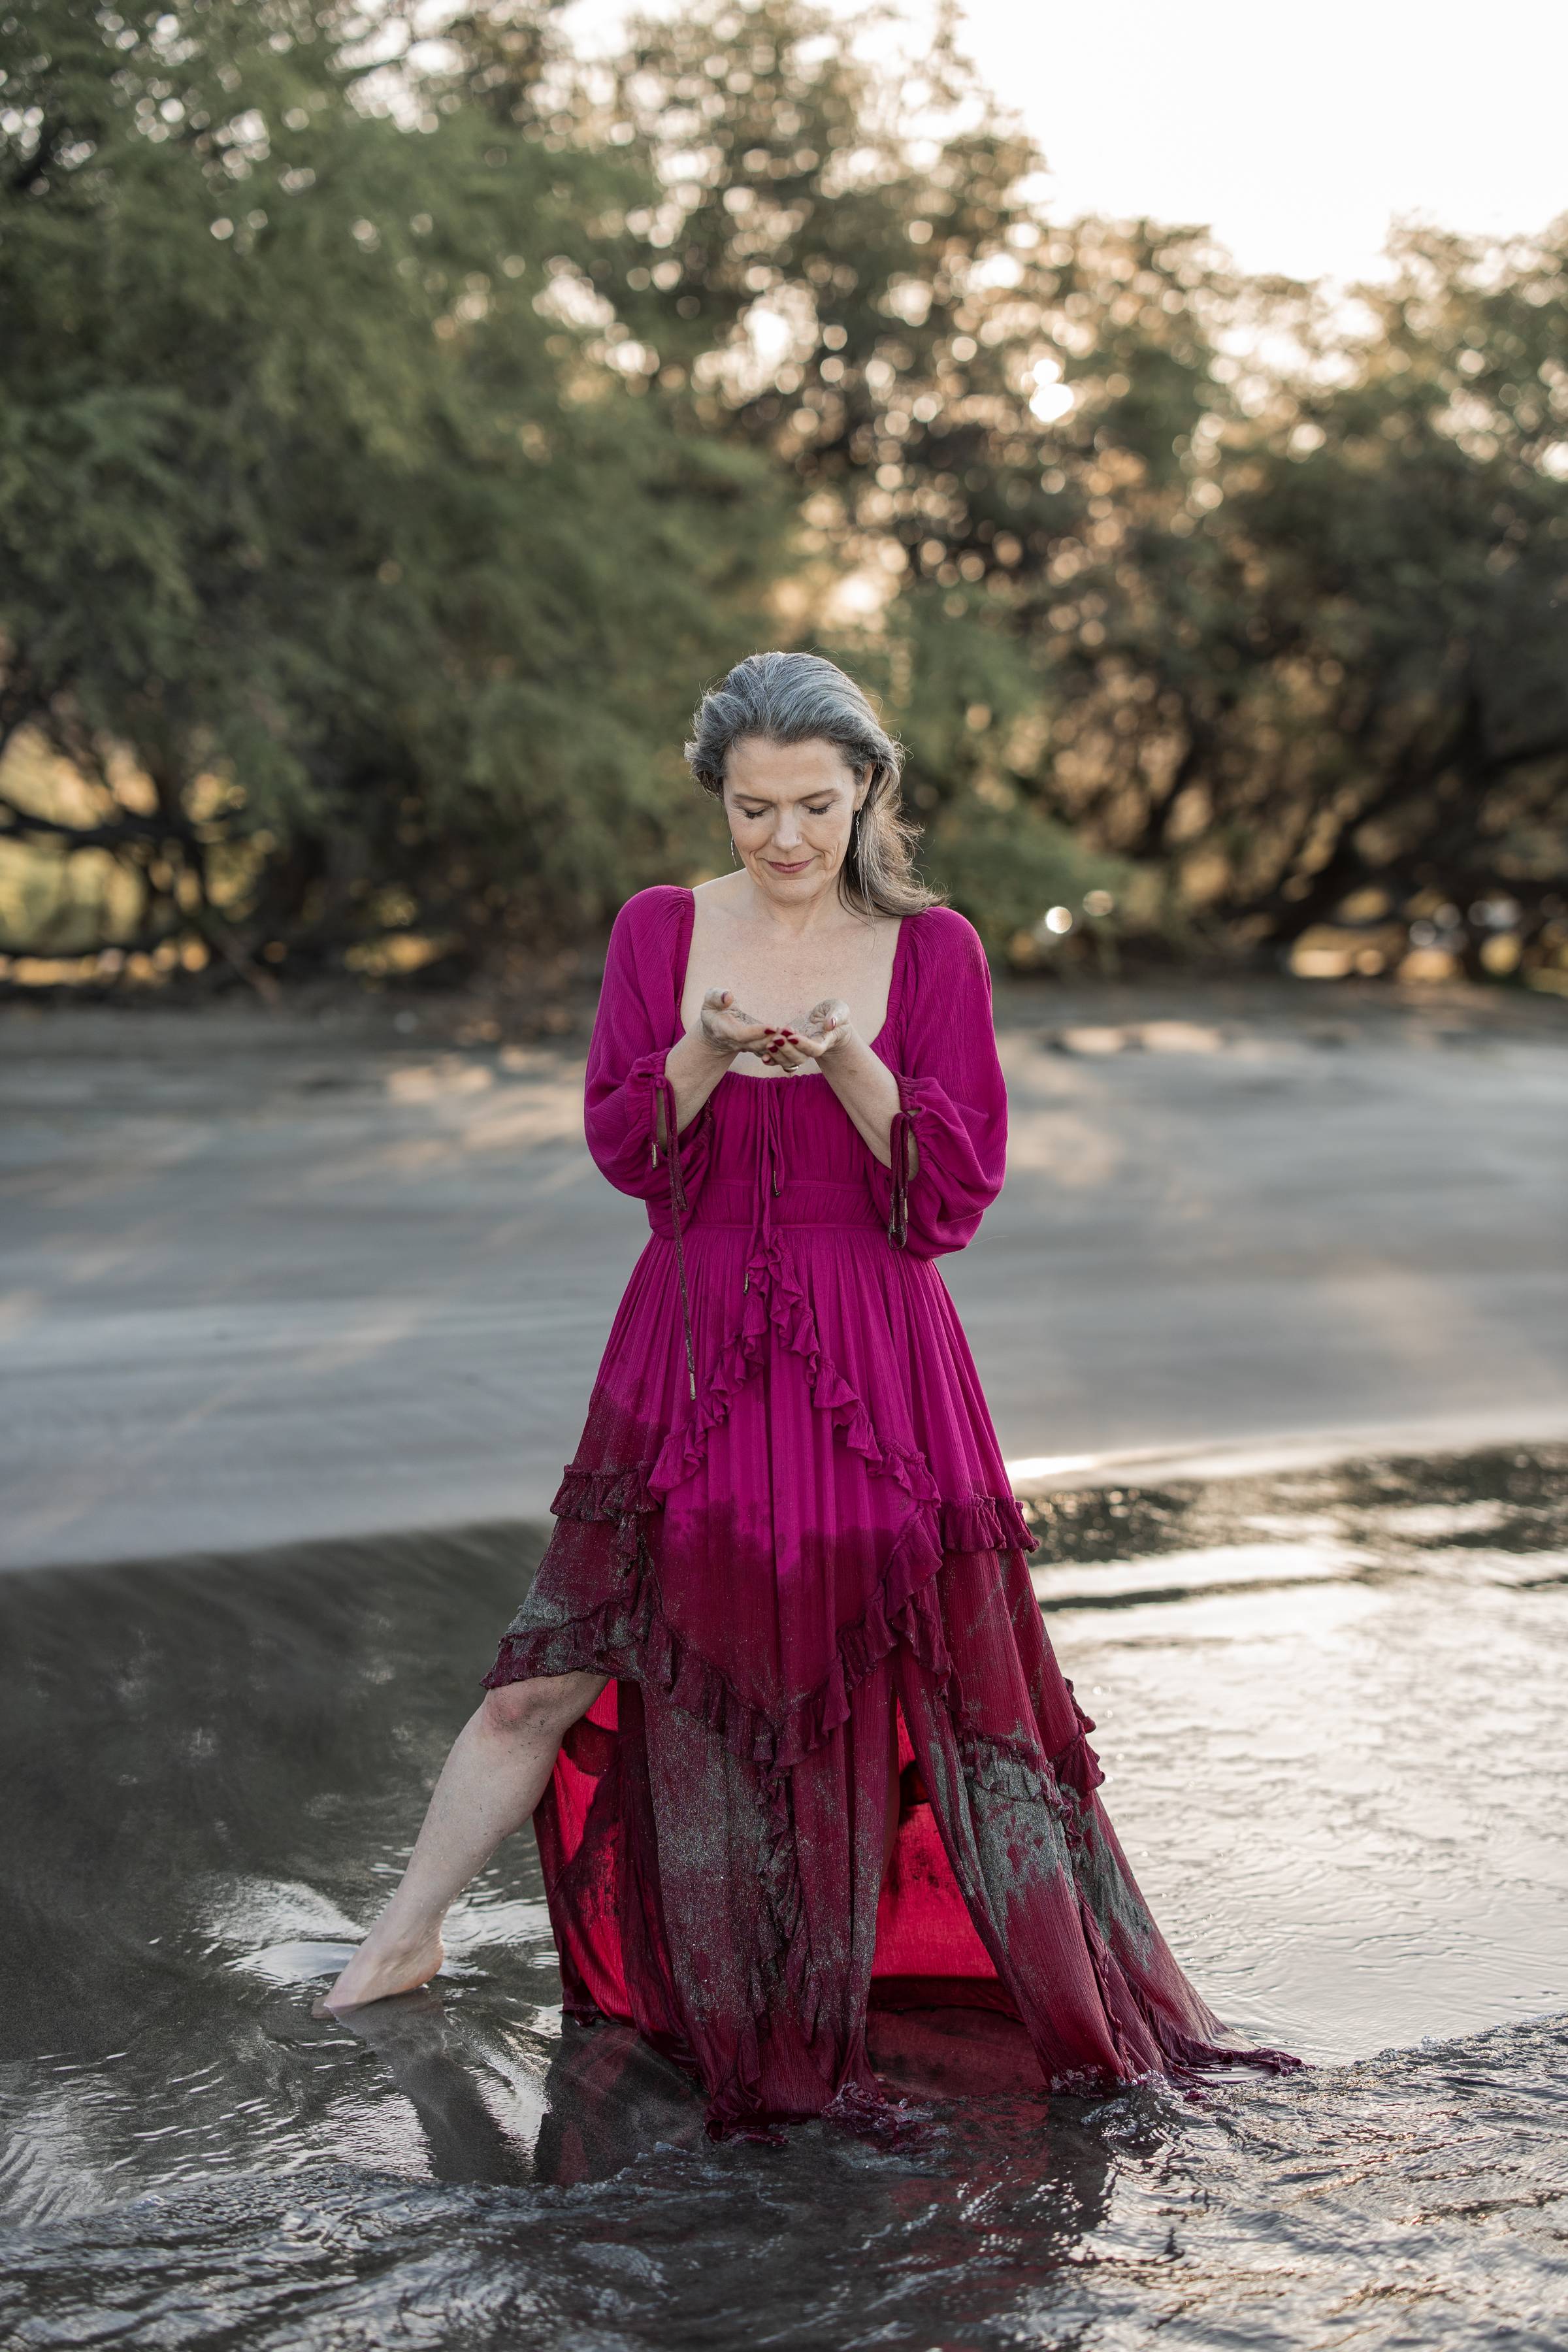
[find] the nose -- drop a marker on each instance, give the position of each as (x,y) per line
(788,834)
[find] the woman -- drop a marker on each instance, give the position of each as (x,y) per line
(780,1703)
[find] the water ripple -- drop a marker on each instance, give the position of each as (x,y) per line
(1330,1707)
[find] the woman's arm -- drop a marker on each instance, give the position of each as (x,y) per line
(867,1088)
(628,1090)
(859,1077)
(695,1065)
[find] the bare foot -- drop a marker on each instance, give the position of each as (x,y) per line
(386,1963)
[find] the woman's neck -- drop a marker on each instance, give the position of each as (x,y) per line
(793,918)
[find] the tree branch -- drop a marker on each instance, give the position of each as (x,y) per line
(18,823)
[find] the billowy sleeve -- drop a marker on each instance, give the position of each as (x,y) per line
(950,1133)
(628,1103)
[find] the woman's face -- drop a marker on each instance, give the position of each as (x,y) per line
(791,807)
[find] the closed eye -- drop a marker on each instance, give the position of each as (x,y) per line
(823,808)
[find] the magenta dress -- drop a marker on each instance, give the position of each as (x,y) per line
(789,1538)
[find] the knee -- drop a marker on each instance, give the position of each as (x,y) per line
(542,1708)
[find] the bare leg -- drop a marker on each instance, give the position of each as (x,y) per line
(499,1767)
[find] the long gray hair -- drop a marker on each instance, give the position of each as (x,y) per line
(801,698)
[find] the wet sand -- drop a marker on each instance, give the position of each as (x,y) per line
(1330,1706)
(272,1278)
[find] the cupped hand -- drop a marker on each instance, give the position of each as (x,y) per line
(795,1049)
(728,1029)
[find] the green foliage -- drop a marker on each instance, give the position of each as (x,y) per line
(318,491)
(1323,649)
(1006,865)
(392,444)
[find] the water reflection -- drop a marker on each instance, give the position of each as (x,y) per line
(466,2137)
(1329,1701)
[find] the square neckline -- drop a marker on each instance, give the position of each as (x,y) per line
(683,965)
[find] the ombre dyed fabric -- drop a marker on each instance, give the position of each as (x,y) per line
(797,1556)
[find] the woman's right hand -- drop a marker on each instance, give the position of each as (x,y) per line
(728,1030)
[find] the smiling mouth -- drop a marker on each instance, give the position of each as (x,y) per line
(782,866)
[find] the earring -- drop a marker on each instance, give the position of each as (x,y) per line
(733,851)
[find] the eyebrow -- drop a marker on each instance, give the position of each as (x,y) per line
(767,800)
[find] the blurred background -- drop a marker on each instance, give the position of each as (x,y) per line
(407,412)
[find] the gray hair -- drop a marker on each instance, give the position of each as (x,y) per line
(802,698)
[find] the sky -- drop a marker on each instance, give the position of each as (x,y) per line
(1298,135)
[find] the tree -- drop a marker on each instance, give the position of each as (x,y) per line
(392,439)
(1417,513)
(1318,652)
(868,310)
(322,497)
(1270,627)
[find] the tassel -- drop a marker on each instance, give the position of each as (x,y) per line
(900,1141)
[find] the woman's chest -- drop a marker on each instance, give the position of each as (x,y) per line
(780,982)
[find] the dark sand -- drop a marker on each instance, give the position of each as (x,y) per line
(265,1278)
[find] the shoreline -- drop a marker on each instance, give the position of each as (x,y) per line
(1210,1476)
(268,1279)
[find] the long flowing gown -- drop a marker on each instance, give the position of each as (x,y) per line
(788,1538)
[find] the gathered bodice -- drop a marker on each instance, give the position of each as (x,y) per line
(781,1151)
(773,1153)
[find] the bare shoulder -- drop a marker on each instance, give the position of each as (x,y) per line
(724,893)
(719,926)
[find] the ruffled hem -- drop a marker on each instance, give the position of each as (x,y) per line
(604,1494)
(628,1633)
(1186,2060)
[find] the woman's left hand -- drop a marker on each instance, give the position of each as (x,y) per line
(795,1049)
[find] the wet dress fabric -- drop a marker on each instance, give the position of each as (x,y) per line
(788,1538)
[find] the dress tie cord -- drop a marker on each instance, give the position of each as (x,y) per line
(900,1145)
(770,1161)
(769,1184)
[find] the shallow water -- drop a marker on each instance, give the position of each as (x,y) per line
(1328,1709)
